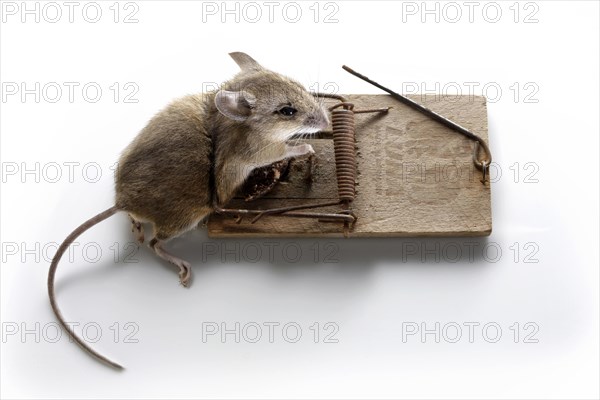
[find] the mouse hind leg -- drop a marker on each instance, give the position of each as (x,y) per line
(171,228)
(185,268)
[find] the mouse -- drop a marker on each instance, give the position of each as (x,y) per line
(192,157)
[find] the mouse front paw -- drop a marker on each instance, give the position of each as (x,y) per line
(299,150)
(309,149)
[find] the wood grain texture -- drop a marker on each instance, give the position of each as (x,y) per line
(416,177)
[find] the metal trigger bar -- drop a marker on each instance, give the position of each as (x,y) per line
(481,163)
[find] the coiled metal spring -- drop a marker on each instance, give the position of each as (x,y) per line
(342,120)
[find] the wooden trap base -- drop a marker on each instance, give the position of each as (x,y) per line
(415,177)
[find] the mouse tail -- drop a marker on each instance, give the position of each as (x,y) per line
(53,266)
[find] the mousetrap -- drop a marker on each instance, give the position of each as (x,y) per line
(388,166)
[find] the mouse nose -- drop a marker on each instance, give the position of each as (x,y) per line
(318,119)
(324,118)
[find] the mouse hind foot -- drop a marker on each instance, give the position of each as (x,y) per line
(137,228)
(185,269)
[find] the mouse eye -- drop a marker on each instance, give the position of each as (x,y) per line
(287,111)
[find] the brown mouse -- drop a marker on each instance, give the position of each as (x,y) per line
(193,156)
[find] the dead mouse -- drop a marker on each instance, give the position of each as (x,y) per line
(194,155)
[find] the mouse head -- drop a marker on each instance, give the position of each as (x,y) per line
(269,103)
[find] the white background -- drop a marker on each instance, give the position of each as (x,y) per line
(375,290)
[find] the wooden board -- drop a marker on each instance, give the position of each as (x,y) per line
(416,177)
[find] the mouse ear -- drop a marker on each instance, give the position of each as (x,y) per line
(245,62)
(235,105)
